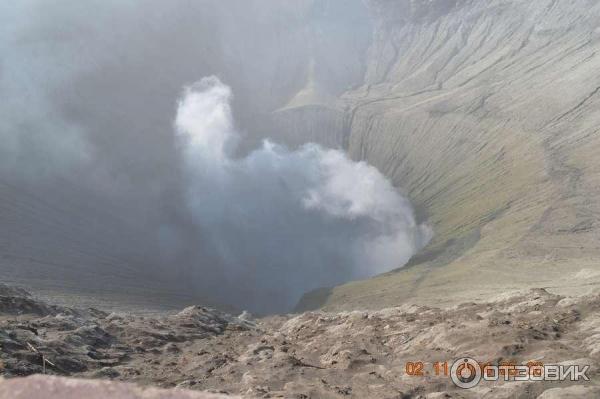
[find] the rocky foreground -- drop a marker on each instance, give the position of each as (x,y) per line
(311,355)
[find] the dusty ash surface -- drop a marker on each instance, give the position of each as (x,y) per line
(360,354)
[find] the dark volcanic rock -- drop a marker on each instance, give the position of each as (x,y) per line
(7,290)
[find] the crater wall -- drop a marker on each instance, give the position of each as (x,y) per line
(486,113)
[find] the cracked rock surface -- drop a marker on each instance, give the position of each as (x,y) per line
(360,354)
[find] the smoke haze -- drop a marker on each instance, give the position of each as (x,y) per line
(284,222)
(98,194)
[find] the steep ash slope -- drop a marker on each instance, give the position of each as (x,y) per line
(486,113)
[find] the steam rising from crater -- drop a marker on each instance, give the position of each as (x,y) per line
(279,222)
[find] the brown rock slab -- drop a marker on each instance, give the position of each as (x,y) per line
(48,387)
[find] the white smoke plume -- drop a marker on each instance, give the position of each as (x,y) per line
(279,222)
